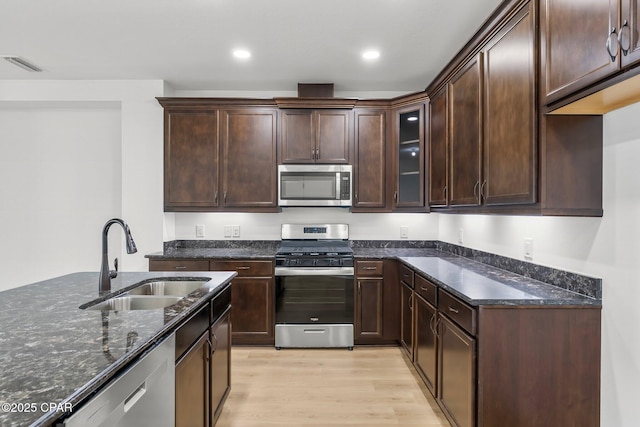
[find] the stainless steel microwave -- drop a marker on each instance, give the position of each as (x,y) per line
(314,185)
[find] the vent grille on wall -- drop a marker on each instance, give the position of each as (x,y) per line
(23,63)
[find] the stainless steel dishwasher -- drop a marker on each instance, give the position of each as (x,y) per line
(143,395)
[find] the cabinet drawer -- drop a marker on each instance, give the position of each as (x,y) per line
(220,303)
(188,333)
(458,311)
(426,289)
(406,275)
(245,268)
(369,268)
(178,265)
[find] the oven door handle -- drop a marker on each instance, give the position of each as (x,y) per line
(314,271)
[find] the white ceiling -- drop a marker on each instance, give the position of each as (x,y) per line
(188,43)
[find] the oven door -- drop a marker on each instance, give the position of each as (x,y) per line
(307,296)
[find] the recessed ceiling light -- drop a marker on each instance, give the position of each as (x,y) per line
(241,54)
(412,119)
(371,54)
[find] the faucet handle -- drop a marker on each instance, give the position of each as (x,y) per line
(114,273)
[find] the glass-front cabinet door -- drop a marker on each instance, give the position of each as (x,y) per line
(410,127)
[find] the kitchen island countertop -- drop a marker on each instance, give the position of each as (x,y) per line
(53,352)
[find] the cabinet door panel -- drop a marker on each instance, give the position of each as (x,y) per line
(630,33)
(220,363)
(425,350)
(510,113)
(466,134)
(249,158)
(406,314)
(369,308)
(192,386)
(191,159)
(438,158)
(457,374)
(252,310)
(298,140)
(572,39)
(410,156)
(370,165)
(332,133)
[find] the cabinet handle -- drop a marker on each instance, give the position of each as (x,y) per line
(482,187)
(475,189)
(369,268)
(313,153)
(444,192)
(433,316)
(317,153)
(180,267)
(410,302)
(625,50)
(225,197)
(613,32)
(213,350)
(395,197)
(356,196)
(424,289)
(243,268)
(210,352)
(453,310)
(215,198)
(359,288)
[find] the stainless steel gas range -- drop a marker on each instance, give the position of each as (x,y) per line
(314,287)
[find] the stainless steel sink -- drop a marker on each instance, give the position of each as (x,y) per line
(167,287)
(136,302)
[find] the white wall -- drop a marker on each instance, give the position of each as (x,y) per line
(43,241)
(59,176)
(266,226)
(602,247)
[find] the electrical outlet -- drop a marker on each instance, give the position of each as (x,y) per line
(235,231)
(460,236)
(528,249)
(227,231)
(199,230)
(404,232)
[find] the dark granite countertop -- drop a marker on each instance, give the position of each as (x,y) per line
(474,276)
(481,284)
(51,351)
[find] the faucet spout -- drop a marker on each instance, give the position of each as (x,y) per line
(106,274)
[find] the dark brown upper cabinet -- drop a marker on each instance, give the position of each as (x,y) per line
(585,42)
(483,136)
(438,149)
(219,155)
(248,138)
(510,132)
(315,136)
(191,159)
(370,165)
(465,137)
(409,136)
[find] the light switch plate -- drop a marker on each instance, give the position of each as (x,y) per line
(227,231)
(528,249)
(460,236)
(404,232)
(235,231)
(199,230)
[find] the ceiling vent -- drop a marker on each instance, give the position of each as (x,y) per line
(22,63)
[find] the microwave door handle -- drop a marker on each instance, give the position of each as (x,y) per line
(338,183)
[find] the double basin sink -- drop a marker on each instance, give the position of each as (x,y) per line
(149,295)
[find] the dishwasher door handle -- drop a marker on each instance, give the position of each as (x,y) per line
(135,396)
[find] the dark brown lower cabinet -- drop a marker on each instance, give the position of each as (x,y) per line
(192,385)
(425,352)
(220,366)
(457,374)
(203,363)
(368,322)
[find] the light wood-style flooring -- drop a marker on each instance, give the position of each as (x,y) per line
(369,386)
